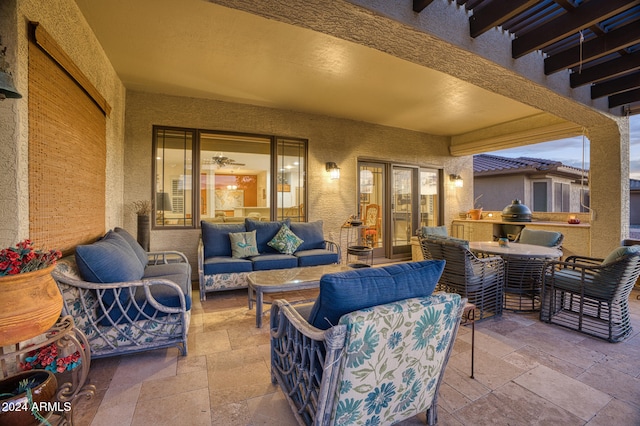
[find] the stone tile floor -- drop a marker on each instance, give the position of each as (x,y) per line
(526,373)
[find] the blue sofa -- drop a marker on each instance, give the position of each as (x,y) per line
(258,246)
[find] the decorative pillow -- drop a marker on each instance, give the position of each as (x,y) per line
(215,237)
(243,244)
(109,260)
(285,241)
(349,291)
(265,231)
(309,232)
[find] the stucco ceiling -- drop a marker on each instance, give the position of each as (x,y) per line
(198,49)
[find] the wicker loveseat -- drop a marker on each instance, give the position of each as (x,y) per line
(221,268)
(127,315)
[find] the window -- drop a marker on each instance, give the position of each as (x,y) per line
(540,197)
(235,175)
(561,197)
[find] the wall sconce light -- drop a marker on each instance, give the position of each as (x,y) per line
(333,169)
(457,180)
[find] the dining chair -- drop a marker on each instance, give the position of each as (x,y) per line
(591,295)
(372,219)
(480,280)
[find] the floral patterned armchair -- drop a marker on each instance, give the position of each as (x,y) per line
(379,365)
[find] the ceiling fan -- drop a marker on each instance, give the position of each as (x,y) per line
(221,161)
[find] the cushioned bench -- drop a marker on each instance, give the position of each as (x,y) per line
(228,252)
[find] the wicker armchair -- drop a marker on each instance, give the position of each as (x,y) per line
(480,280)
(378,365)
(591,295)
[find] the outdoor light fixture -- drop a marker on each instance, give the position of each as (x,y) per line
(333,169)
(457,180)
(7,88)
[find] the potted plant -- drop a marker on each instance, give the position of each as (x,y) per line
(22,397)
(143,210)
(30,301)
(476,212)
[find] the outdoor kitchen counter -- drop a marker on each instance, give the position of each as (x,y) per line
(577,237)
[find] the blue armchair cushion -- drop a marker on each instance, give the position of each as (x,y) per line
(137,248)
(243,244)
(310,233)
(268,261)
(108,260)
(179,273)
(539,237)
(620,252)
(440,231)
(315,257)
(265,231)
(215,237)
(349,291)
(285,241)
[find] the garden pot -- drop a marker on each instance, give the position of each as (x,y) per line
(144,231)
(475,214)
(16,410)
(30,304)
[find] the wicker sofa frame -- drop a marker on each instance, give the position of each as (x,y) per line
(145,326)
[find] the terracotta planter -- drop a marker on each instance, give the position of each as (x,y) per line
(30,304)
(13,412)
(475,214)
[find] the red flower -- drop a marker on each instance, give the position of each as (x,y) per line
(25,258)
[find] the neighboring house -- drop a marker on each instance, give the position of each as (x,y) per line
(542,185)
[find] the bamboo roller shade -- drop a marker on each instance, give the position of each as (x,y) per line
(67,154)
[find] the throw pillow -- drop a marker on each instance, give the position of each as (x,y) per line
(310,233)
(265,231)
(243,244)
(344,292)
(109,260)
(137,248)
(285,241)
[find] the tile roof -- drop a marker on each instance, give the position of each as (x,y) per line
(486,165)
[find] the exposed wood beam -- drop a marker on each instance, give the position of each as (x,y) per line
(624,98)
(419,5)
(616,85)
(495,13)
(594,48)
(612,68)
(589,13)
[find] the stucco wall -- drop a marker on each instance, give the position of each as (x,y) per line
(330,139)
(63,20)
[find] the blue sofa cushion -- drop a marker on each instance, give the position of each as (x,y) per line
(344,292)
(265,231)
(133,243)
(274,261)
(311,233)
(243,244)
(165,295)
(215,237)
(179,273)
(108,260)
(316,257)
(285,241)
(226,265)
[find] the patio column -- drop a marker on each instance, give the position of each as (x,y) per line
(609,184)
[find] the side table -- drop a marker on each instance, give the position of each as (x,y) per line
(65,334)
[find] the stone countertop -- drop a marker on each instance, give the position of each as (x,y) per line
(532,223)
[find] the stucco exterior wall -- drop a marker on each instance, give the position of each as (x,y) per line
(63,20)
(330,139)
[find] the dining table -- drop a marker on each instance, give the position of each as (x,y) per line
(524,264)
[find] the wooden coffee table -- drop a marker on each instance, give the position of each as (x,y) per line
(281,280)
